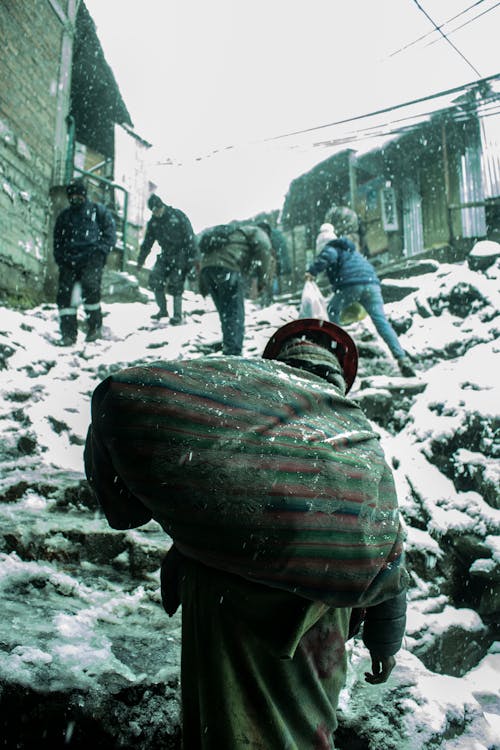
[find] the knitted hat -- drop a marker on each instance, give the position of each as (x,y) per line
(318,346)
(325,234)
(313,357)
(76,187)
(154,201)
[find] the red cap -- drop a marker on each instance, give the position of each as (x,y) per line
(345,349)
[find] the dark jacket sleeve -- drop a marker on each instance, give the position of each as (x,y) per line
(191,246)
(122,509)
(327,257)
(107,229)
(384,626)
(260,254)
(147,244)
(58,240)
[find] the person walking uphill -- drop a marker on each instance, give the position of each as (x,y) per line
(286,528)
(354,279)
(172,230)
(84,234)
(228,253)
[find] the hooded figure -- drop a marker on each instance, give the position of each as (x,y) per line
(354,281)
(325,234)
(285,523)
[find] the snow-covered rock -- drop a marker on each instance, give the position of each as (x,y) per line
(87,654)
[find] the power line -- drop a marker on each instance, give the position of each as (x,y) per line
(428,33)
(438,28)
(486,108)
(394,107)
(457,28)
(463,107)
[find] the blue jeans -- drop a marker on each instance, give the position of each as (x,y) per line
(227,291)
(370,296)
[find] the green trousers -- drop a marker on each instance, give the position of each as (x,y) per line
(262,669)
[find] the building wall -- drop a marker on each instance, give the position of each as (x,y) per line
(33,52)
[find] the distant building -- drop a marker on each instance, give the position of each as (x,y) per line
(431,189)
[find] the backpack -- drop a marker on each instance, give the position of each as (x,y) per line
(214,239)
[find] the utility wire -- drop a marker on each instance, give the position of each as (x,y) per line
(394,107)
(493,97)
(457,28)
(487,108)
(428,33)
(438,28)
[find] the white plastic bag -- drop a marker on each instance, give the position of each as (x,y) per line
(312,304)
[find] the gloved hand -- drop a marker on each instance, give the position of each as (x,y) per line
(382,667)
(169,580)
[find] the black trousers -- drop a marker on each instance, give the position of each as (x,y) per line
(227,290)
(89,274)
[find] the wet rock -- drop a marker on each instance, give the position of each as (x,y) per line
(449,642)
(79,495)
(483,255)
(394,290)
(477,472)
(27,445)
(387,400)
(485,574)
(409,269)
(106,719)
(461,300)
(6,351)
(416,709)
(376,403)
(121,287)
(401,323)
(469,469)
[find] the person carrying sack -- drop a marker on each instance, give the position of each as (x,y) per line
(286,528)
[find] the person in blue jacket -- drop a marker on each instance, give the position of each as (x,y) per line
(354,279)
(84,235)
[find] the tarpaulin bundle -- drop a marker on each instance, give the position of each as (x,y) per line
(252,467)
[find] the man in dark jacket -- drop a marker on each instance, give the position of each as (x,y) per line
(172,230)
(84,234)
(284,516)
(354,279)
(245,251)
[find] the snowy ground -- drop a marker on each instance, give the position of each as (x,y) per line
(82,613)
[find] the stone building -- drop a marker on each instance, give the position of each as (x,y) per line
(59,108)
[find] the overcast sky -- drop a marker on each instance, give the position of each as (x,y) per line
(199,77)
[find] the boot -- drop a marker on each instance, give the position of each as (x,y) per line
(161,301)
(94,334)
(68,325)
(94,322)
(176,318)
(406,368)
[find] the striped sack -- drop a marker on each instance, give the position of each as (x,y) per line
(252,467)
